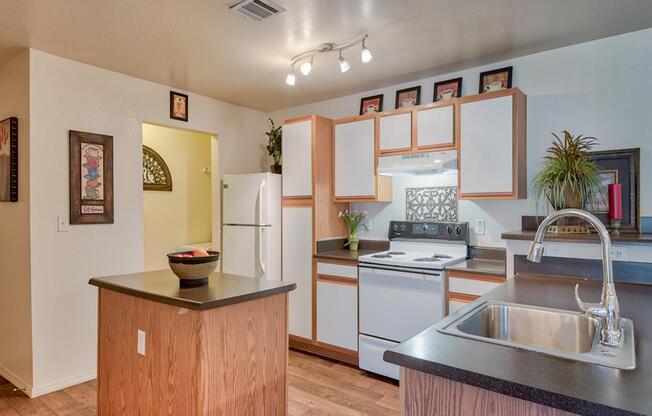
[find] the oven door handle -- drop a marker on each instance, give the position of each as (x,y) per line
(400,274)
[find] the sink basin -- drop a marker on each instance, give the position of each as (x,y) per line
(565,334)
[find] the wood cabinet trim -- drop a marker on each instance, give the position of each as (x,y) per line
(337,280)
(297,120)
(297,202)
(351,263)
(462,297)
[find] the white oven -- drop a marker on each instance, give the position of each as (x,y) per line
(395,304)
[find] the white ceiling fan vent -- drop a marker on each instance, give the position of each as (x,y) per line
(257,10)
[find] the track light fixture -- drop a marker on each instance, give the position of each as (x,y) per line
(325,48)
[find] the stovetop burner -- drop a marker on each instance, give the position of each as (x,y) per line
(382,256)
(434,257)
(396,253)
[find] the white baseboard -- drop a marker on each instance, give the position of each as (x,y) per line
(40,390)
(16,380)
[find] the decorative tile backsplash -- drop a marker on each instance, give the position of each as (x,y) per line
(431,204)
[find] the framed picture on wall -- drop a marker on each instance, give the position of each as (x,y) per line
(91,178)
(178,106)
(9,160)
(445,90)
(619,166)
(496,80)
(408,97)
(373,104)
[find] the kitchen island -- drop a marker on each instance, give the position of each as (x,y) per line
(218,349)
(443,374)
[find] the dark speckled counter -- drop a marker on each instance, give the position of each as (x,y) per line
(163,286)
(576,387)
(482,266)
(344,255)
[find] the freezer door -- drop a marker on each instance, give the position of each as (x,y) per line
(242,251)
(243,199)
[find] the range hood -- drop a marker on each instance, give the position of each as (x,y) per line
(417,163)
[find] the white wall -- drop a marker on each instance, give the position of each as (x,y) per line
(600,88)
(15,310)
(69,95)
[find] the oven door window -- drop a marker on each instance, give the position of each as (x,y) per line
(396,305)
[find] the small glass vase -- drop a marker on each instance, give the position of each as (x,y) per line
(353,242)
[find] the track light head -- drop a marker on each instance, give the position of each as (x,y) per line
(365,55)
(344,64)
(306,67)
(291,78)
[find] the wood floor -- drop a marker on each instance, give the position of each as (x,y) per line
(317,387)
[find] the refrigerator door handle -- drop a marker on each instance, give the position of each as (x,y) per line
(261,206)
(261,256)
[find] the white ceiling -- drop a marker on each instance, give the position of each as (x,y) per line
(201,46)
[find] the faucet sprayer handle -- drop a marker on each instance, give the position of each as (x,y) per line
(596,309)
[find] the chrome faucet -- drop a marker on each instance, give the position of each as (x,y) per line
(607,309)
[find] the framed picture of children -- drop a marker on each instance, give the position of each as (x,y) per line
(91,178)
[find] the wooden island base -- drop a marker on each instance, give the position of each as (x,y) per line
(229,360)
(424,394)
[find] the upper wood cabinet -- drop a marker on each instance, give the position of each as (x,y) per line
(355,162)
(435,126)
(492,150)
(297,158)
(395,132)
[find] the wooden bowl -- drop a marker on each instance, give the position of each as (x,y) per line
(193,270)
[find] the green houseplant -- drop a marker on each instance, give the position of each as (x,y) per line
(353,221)
(274,140)
(568,179)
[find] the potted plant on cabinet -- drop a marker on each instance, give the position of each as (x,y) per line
(274,137)
(353,221)
(568,179)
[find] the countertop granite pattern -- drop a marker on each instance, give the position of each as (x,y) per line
(482,266)
(344,254)
(572,386)
(580,238)
(164,287)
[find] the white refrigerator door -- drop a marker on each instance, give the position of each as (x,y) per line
(241,251)
(244,198)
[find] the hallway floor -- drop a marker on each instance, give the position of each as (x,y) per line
(317,387)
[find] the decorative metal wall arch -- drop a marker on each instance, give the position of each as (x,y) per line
(156,175)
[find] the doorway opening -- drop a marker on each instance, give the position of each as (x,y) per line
(180,216)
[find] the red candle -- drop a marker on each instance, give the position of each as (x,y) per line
(615,201)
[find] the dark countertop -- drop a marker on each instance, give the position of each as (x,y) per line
(572,386)
(482,266)
(163,286)
(344,254)
(580,238)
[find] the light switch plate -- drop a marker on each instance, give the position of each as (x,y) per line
(141,342)
(619,253)
(62,223)
(479,227)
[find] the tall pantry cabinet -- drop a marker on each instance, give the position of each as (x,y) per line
(309,214)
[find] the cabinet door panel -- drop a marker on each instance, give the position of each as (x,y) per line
(435,126)
(297,159)
(337,314)
(487,146)
(395,132)
(355,159)
(297,268)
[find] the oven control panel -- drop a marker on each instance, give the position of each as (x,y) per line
(412,230)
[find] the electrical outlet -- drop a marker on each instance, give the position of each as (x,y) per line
(141,342)
(62,223)
(479,227)
(619,253)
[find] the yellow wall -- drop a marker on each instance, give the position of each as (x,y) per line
(182,216)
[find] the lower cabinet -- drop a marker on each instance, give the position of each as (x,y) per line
(337,314)
(464,287)
(297,268)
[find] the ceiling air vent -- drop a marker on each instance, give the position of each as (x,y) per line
(257,10)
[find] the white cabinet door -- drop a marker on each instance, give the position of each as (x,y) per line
(297,159)
(355,166)
(395,132)
(337,314)
(435,126)
(297,268)
(487,146)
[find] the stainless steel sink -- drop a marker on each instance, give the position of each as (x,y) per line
(565,334)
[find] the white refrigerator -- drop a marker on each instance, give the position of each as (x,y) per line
(251,225)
